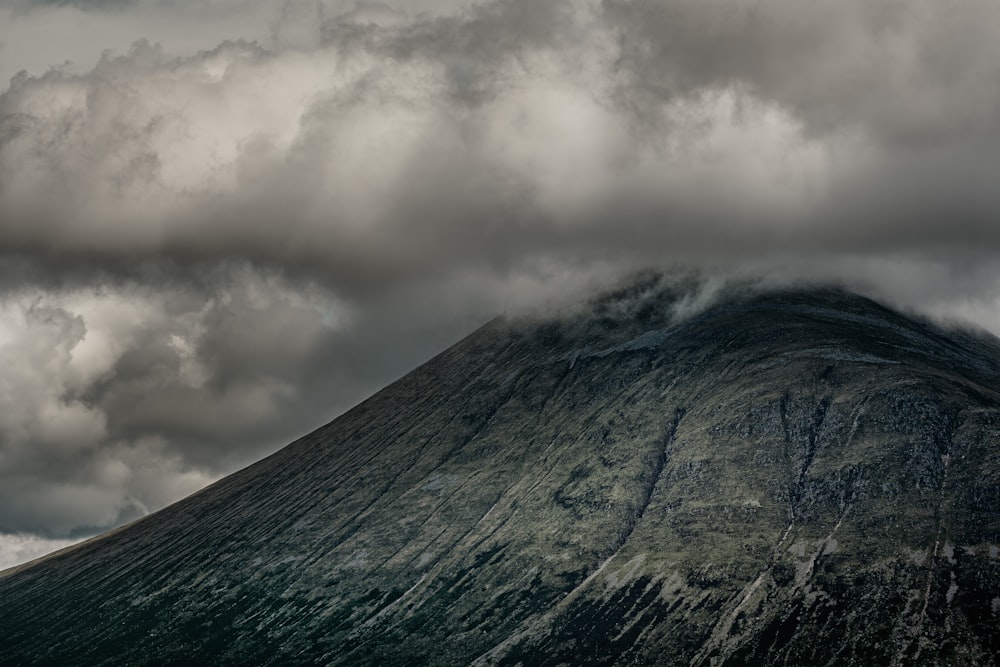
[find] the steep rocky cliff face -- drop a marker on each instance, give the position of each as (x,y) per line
(794,478)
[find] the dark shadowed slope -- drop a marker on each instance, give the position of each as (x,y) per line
(794,478)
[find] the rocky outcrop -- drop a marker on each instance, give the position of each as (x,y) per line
(797,478)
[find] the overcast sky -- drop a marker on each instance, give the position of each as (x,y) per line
(224,222)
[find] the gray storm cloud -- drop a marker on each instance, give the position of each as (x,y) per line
(245,216)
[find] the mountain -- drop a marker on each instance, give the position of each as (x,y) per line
(793,478)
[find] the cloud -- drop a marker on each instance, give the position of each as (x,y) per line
(121,399)
(17,549)
(377,148)
(225,222)
(380,147)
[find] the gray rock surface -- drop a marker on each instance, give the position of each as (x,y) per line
(798,478)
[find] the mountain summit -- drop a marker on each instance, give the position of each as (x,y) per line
(794,478)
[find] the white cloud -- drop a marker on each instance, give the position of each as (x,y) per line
(18,549)
(123,398)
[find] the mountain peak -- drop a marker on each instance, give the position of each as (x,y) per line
(790,477)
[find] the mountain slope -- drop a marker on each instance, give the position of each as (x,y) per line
(790,478)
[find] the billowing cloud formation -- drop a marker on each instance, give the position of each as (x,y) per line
(118,401)
(219,236)
(386,153)
(516,128)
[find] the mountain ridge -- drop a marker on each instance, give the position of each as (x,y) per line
(782,477)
